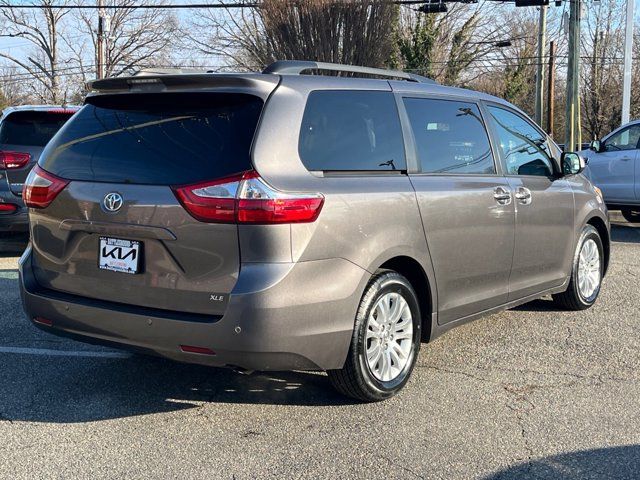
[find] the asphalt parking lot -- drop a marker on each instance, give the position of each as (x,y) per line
(528,393)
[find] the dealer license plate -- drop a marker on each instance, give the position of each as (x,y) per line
(119,255)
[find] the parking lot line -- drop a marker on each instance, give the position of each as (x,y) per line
(62,353)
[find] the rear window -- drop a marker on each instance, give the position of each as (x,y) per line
(31,128)
(156,139)
(351,130)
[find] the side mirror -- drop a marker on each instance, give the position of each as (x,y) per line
(596,146)
(572,163)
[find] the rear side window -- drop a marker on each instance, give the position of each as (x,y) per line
(31,128)
(351,131)
(450,136)
(159,139)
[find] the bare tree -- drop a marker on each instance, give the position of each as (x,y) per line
(509,72)
(602,46)
(635,74)
(137,37)
(40,27)
(351,31)
(444,46)
(14,90)
(520,61)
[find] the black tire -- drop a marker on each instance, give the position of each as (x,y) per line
(355,379)
(631,216)
(572,299)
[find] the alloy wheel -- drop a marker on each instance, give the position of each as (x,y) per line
(589,266)
(389,336)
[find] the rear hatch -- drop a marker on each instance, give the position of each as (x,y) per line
(23,136)
(117,231)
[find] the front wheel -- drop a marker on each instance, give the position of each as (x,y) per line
(586,273)
(385,341)
(631,216)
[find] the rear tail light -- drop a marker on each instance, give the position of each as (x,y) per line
(41,188)
(13,160)
(246,198)
(7,208)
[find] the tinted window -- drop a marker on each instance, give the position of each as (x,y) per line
(351,130)
(32,128)
(626,139)
(450,136)
(524,148)
(164,139)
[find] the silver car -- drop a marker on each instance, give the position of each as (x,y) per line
(612,166)
(281,221)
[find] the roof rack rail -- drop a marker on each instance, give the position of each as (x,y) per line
(296,67)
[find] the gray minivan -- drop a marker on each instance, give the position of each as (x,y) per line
(282,221)
(24,132)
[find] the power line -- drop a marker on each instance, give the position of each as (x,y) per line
(217,5)
(479,62)
(90,69)
(138,7)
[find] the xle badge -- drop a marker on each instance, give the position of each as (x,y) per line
(216,298)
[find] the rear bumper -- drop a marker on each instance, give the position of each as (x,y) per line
(286,316)
(17,222)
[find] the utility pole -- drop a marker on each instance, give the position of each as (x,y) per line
(572,130)
(101,44)
(542,42)
(626,79)
(551,94)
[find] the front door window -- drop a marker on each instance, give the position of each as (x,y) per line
(524,148)
(626,139)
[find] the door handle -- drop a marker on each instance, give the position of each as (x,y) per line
(502,195)
(625,159)
(523,195)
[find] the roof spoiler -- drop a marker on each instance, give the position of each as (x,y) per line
(153,81)
(297,67)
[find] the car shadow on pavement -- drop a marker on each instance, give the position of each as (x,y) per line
(12,245)
(625,233)
(69,390)
(539,305)
(610,463)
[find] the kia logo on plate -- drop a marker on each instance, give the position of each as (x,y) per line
(112,201)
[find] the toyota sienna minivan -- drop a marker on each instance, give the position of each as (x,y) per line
(284,220)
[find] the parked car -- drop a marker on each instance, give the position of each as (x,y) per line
(282,221)
(613,167)
(24,131)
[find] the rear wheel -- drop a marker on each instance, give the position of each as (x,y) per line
(586,273)
(631,216)
(385,341)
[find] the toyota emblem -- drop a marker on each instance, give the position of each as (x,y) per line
(112,202)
